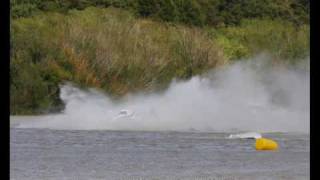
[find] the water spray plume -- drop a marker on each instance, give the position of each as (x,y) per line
(245,96)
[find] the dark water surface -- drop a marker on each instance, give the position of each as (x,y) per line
(74,154)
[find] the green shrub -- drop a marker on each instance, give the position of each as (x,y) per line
(282,39)
(232,48)
(23,10)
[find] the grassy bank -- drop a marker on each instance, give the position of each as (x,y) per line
(111,49)
(104,48)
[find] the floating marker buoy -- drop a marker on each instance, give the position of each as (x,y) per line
(266,144)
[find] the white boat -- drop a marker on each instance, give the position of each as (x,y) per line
(125,114)
(247,135)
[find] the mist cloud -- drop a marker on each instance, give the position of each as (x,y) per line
(248,95)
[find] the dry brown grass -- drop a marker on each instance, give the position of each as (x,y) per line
(113,50)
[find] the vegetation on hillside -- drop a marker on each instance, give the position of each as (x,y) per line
(118,52)
(194,12)
(101,48)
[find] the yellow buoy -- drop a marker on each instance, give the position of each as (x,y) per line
(266,144)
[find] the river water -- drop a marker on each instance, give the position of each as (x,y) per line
(104,154)
(84,141)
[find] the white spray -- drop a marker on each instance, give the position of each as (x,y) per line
(245,96)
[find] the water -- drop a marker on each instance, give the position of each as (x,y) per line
(173,134)
(102,154)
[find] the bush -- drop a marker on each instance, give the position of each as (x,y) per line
(23,10)
(281,38)
(232,48)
